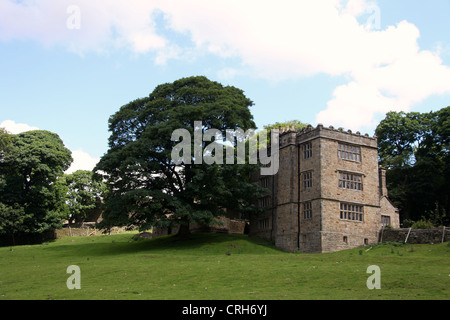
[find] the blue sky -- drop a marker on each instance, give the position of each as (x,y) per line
(67,66)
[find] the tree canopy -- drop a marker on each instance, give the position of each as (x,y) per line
(29,170)
(415,148)
(286,124)
(84,193)
(146,188)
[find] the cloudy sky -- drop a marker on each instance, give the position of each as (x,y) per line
(67,65)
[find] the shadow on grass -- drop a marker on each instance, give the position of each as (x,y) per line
(197,243)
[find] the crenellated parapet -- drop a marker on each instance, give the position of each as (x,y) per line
(291,136)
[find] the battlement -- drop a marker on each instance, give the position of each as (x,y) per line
(292,136)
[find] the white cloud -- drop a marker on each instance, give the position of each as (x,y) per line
(398,78)
(286,39)
(355,104)
(82,161)
(15,128)
(100,25)
(227,73)
(289,39)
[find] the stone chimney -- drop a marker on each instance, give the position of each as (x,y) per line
(382,181)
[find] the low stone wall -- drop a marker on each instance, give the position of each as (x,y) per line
(436,235)
(83,231)
(223,225)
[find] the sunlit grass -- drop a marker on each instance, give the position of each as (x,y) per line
(218,266)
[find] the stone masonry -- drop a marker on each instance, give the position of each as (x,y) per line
(329,193)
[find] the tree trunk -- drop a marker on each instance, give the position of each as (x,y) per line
(184,232)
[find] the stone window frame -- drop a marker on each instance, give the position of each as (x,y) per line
(265,182)
(349,152)
(307,179)
(351,212)
(385,220)
(350,180)
(307,150)
(307,210)
(264,224)
(265,202)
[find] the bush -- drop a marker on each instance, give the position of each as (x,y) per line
(422,224)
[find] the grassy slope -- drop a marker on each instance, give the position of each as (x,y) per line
(212,266)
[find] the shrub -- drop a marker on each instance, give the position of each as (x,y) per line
(422,224)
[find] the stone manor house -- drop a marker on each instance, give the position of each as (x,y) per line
(329,193)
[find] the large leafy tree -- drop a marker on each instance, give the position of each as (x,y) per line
(29,170)
(415,147)
(402,135)
(84,193)
(146,188)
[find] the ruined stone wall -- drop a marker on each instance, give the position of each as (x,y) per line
(310,226)
(340,234)
(261,225)
(310,229)
(306,216)
(285,198)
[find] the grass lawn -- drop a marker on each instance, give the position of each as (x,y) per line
(218,266)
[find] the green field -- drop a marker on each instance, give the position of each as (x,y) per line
(218,266)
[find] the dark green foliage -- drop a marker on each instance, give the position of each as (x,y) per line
(423,224)
(29,190)
(12,220)
(84,193)
(415,148)
(145,187)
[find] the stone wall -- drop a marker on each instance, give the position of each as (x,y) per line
(415,235)
(84,230)
(307,194)
(335,233)
(221,225)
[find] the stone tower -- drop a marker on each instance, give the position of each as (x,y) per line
(329,193)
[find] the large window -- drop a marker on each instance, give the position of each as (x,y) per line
(265,182)
(265,202)
(264,224)
(352,212)
(307,179)
(307,150)
(349,152)
(350,181)
(307,210)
